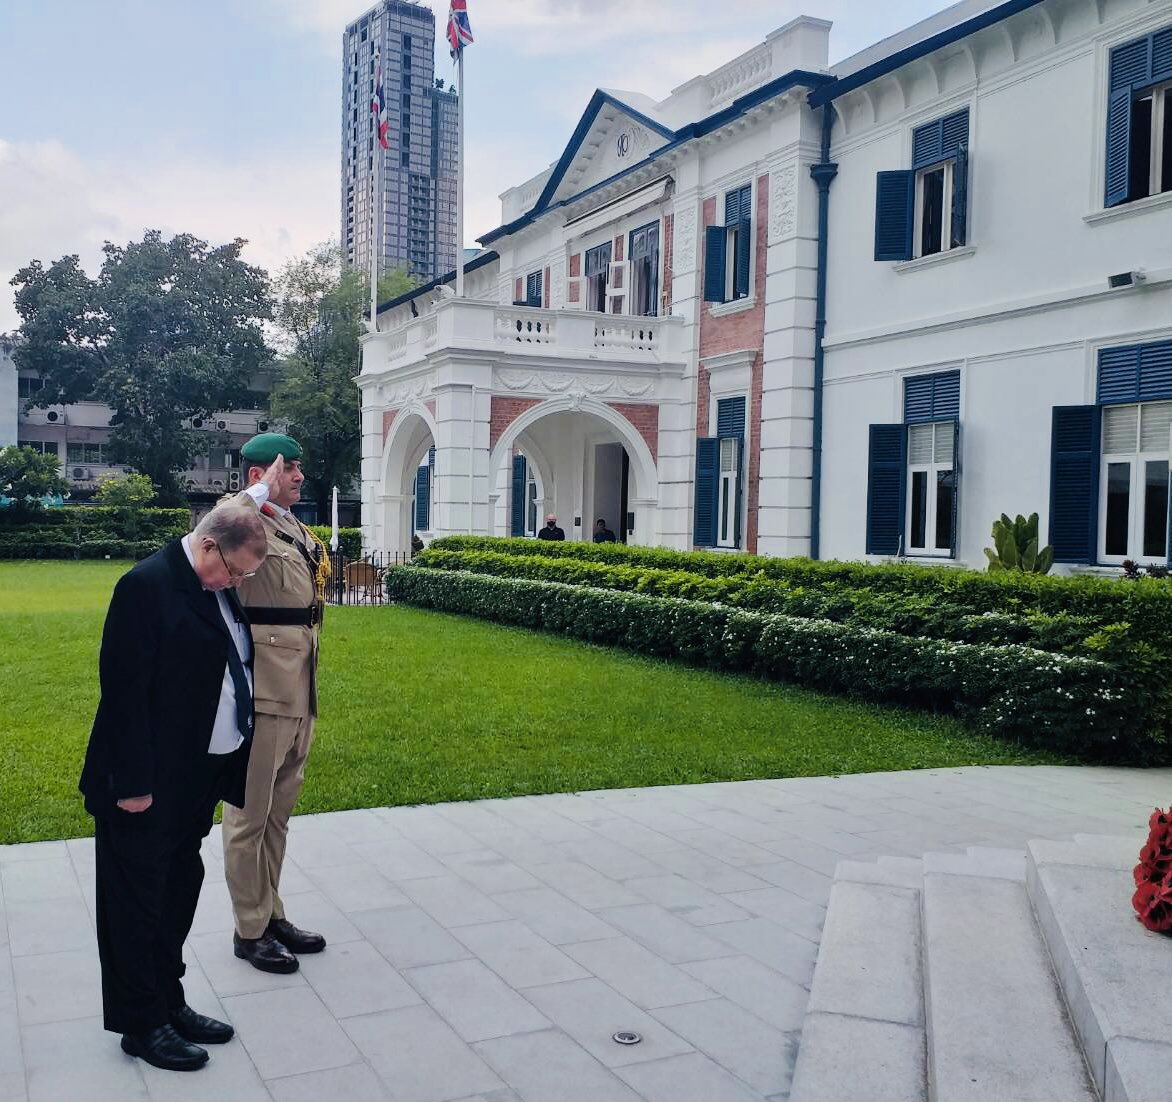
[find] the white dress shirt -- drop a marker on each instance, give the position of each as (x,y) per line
(226,736)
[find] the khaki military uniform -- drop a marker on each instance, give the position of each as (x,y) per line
(283,592)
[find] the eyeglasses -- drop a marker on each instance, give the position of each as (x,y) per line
(236,576)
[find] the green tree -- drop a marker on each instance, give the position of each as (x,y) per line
(26,476)
(128,491)
(169,330)
(320,310)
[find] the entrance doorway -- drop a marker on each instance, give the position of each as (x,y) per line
(612,470)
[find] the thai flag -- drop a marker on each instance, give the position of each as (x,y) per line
(378,105)
(459,29)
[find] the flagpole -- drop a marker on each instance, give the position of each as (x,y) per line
(460,173)
(375,179)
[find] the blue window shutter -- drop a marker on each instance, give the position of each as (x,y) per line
(707,491)
(730,417)
(895,205)
(1119,375)
(960,197)
(423,499)
(1131,65)
(714,263)
(931,397)
(1155,371)
(954,133)
(742,258)
(886,473)
(1162,55)
(533,289)
(737,205)
(1118,174)
(927,143)
(520,482)
(917,399)
(1074,482)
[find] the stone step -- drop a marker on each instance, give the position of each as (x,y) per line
(1000,864)
(866,872)
(1115,975)
(996,1025)
(865,1021)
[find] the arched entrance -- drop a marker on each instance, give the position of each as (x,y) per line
(408,480)
(590,463)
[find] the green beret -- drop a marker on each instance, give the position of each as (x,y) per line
(263,449)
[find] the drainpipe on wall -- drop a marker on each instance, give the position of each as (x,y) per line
(823,174)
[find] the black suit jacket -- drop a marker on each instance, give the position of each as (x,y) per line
(164,652)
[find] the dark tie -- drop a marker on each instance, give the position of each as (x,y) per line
(239,679)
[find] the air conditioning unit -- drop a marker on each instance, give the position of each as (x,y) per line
(262,426)
(222,426)
(233,480)
(55,417)
(217,483)
(80,474)
(197,422)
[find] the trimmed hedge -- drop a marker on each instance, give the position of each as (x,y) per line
(903,614)
(168,523)
(1145,604)
(349,539)
(90,532)
(88,549)
(1072,704)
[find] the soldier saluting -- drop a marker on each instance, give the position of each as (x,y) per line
(284,602)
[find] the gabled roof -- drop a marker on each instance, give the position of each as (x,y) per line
(548,199)
(598,103)
(485,256)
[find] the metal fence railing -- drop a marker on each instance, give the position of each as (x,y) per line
(360,581)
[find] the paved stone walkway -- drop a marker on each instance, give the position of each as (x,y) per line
(488,951)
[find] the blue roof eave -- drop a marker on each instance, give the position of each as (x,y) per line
(479,261)
(842,85)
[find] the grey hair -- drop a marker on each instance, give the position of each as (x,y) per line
(233,525)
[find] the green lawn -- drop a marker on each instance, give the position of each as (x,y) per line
(418,707)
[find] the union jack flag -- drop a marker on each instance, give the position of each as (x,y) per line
(459,29)
(378,104)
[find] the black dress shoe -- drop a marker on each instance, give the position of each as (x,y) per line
(200,1028)
(295,940)
(165,1049)
(264,953)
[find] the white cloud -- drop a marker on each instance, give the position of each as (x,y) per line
(57,203)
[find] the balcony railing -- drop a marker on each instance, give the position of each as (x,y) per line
(528,331)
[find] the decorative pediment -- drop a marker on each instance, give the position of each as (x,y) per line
(611,137)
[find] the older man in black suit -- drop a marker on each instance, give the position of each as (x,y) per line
(170,740)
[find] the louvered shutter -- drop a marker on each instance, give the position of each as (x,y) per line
(520,483)
(931,397)
(886,472)
(744,228)
(895,205)
(707,505)
(1118,168)
(1074,482)
(730,417)
(423,499)
(714,263)
(960,197)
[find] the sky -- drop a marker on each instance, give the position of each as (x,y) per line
(221,118)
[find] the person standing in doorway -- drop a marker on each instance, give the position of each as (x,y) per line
(602,534)
(284,603)
(551,531)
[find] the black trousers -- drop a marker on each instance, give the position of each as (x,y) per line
(149,874)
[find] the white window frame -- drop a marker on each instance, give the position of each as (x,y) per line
(532,512)
(727,518)
(1161,105)
(949,166)
(1138,461)
(932,470)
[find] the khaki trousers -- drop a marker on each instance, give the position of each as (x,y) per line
(255,836)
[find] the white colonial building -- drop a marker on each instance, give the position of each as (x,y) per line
(841,311)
